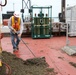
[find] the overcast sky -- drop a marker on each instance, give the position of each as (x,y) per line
(16,5)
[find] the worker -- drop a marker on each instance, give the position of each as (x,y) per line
(15,25)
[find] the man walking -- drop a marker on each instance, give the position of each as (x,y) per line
(15,25)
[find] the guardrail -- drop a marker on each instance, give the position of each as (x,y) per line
(67,33)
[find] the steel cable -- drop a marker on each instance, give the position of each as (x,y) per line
(7,68)
(28,48)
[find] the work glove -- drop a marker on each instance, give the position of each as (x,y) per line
(19,35)
(14,31)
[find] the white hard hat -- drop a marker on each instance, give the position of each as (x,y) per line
(16,14)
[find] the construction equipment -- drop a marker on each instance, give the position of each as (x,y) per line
(29,27)
(41,22)
(26,4)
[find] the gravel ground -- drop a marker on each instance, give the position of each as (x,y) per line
(35,66)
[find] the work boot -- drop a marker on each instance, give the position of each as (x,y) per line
(14,50)
(17,48)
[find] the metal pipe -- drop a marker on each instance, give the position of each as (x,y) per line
(29,4)
(63,9)
(22,12)
(67,40)
(4,3)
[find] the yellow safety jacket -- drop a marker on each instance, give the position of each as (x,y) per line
(16,26)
